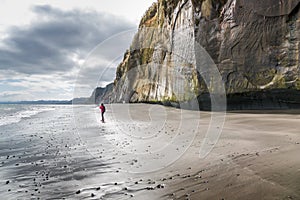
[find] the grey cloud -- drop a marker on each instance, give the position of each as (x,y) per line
(45,46)
(94,77)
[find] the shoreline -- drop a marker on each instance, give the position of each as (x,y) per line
(149,152)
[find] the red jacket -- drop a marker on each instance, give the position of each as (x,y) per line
(102,108)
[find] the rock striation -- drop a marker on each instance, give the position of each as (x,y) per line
(253,44)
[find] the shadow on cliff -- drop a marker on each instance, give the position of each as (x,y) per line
(277,99)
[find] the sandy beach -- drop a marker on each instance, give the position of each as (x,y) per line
(256,157)
(146,151)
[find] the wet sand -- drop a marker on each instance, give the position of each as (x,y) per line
(149,152)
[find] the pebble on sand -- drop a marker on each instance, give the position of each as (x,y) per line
(160,186)
(150,188)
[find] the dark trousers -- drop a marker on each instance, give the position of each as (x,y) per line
(102,115)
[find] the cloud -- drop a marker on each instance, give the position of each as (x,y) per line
(48,44)
(100,66)
(18,86)
(16,95)
(42,59)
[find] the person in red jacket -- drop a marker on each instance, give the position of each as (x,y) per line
(102,109)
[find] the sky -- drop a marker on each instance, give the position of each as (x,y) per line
(59,50)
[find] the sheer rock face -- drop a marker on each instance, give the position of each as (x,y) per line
(101,95)
(159,65)
(254,44)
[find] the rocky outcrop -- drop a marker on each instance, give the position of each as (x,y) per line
(101,94)
(254,45)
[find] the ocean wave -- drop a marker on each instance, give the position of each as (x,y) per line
(21,113)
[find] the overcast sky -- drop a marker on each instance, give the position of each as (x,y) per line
(48,49)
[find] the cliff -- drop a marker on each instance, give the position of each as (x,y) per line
(253,44)
(101,94)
